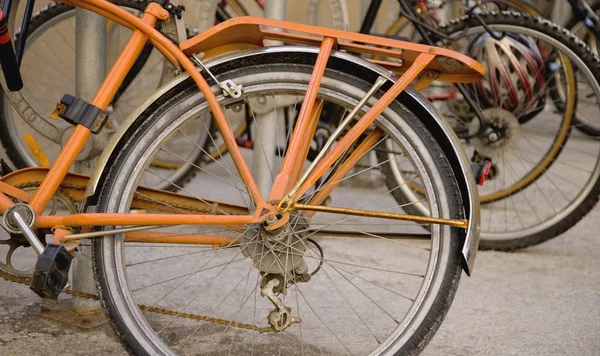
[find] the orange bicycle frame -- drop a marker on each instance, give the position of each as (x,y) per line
(414,61)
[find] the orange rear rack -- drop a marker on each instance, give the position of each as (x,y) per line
(243,31)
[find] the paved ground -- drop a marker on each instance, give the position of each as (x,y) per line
(541,301)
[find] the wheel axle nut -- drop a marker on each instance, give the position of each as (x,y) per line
(271,220)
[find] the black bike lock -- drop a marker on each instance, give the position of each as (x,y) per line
(10,68)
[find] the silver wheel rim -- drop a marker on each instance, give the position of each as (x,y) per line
(115,246)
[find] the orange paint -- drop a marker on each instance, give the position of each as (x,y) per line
(59,169)
(361,125)
(251,30)
(344,168)
(15,192)
(305,126)
(315,115)
(171,238)
(5,202)
(75,184)
(157,11)
(124,63)
(60,234)
(110,219)
(425,80)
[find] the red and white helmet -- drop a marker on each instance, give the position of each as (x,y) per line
(515,78)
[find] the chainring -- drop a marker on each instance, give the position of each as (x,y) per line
(12,265)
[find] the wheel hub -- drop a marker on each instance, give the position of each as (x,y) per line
(503,132)
(278,252)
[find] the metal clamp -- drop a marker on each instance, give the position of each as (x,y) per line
(228,86)
(79,112)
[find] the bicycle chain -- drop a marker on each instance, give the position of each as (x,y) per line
(152,309)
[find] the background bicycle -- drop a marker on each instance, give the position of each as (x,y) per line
(524,127)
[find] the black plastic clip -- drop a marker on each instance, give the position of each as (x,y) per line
(79,112)
(51,271)
(175,10)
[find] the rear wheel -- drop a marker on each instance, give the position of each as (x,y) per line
(387,286)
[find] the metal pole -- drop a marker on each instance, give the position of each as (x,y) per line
(275,9)
(264,160)
(369,177)
(90,70)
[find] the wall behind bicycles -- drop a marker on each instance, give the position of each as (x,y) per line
(297,11)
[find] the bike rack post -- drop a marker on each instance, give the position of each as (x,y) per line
(264,160)
(90,70)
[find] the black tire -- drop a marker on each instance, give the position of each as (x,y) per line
(574,21)
(593,63)
(10,141)
(104,261)
(45,14)
(580,125)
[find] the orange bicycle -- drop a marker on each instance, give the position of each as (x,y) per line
(223,267)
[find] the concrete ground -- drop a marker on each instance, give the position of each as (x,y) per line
(540,301)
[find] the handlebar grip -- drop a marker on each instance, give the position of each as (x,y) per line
(10,68)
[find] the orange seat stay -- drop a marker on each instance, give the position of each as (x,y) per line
(252,31)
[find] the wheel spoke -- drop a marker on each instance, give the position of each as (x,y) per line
(313,277)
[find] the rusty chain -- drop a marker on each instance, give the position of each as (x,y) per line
(152,309)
